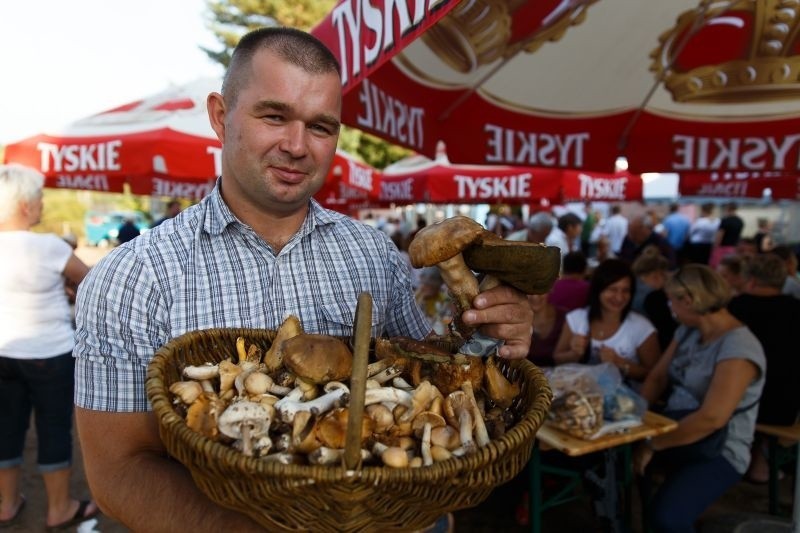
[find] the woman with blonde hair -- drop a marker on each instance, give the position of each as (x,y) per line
(712,374)
(36,341)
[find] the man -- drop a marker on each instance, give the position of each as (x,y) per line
(774,318)
(728,234)
(255,250)
(566,235)
(616,227)
(640,235)
(173,208)
(676,229)
(127,231)
(539,227)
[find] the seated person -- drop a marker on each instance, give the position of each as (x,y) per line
(731,268)
(649,298)
(774,318)
(548,320)
(714,372)
(791,284)
(607,330)
(571,290)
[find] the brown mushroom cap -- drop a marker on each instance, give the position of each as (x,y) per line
(441,241)
(317,358)
(529,267)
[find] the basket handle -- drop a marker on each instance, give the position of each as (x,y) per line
(362,331)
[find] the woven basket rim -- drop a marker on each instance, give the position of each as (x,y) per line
(523,431)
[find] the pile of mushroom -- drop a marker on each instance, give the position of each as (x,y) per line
(290,403)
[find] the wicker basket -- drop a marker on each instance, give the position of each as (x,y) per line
(330,498)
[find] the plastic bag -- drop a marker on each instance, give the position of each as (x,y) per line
(588,397)
(577,406)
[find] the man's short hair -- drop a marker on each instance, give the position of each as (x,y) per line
(567,220)
(540,222)
(574,263)
(292,45)
(768,270)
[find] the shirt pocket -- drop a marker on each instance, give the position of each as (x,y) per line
(340,319)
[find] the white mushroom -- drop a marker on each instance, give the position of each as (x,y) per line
(288,409)
(458,413)
(247,421)
(328,456)
(387,394)
(481,435)
(260,383)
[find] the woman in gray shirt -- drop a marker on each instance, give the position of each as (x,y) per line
(713,370)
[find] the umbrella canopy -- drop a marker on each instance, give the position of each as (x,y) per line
(161,145)
(678,86)
(419,179)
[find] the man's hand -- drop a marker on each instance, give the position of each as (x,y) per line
(503,313)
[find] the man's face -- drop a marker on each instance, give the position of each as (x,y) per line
(280,135)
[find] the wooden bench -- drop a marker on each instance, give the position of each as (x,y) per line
(779,437)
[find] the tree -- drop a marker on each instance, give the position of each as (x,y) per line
(230,19)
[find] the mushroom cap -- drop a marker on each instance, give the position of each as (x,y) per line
(529,267)
(441,241)
(317,358)
(241,414)
(427,417)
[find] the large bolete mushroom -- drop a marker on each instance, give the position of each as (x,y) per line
(441,245)
(529,267)
(317,358)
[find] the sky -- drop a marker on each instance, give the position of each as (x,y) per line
(65,60)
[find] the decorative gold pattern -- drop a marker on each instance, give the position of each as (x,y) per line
(767,72)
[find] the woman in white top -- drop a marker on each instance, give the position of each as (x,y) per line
(607,330)
(36,341)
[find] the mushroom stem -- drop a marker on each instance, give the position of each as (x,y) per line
(460,280)
(481,435)
(317,406)
(425,445)
(387,394)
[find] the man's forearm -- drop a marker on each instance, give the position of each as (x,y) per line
(154,493)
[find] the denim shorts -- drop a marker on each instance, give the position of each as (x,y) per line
(44,387)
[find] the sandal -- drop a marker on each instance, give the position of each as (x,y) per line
(80,516)
(14,519)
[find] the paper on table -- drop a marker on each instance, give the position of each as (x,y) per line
(620,426)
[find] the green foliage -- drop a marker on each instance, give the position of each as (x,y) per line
(230,19)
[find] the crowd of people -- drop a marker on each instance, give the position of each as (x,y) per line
(675,305)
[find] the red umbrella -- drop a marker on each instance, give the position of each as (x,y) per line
(678,86)
(419,179)
(440,181)
(740,185)
(161,145)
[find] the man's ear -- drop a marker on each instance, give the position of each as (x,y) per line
(216,114)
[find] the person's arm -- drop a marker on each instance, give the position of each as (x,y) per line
(648,353)
(135,482)
(570,347)
(75,270)
(503,312)
(727,388)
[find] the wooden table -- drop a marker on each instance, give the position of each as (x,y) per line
(549,437)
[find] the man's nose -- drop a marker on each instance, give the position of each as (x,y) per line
(294,139)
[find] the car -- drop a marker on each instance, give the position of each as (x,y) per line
(102,228)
